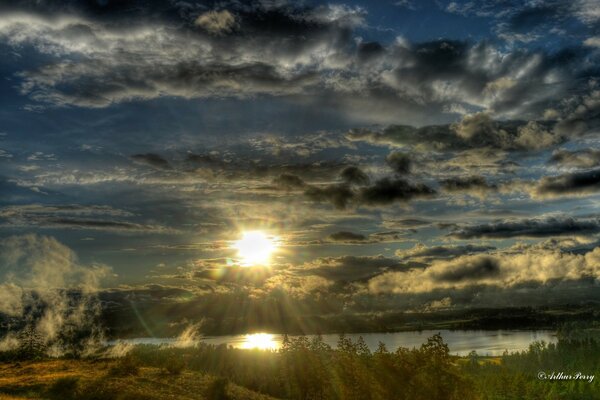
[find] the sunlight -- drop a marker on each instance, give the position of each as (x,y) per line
(255,248)
(261,341)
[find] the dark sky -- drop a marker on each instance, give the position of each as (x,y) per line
(435,153)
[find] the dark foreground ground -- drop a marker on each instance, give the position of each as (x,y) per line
(92,379)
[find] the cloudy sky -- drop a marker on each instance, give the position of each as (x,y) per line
(404,154)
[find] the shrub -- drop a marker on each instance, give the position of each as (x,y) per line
(97,390)
(126,366)
(217,390)
(64,388)
(175,365)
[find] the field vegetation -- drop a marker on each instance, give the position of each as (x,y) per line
(306,369)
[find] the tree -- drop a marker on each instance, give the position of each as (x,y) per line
(31,343)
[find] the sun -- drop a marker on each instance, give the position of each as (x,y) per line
(254,248)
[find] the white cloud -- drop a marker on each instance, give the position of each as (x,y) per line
(529,265)
(593,41)
(216,22)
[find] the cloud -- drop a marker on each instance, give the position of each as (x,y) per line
(348,268)
(216,22)
(246,165)
(279,49)
(354,175)
(474,131)
(62,209)
(587,11)
(152,159)
(387,191)
(347,237)
(572,184)
(547,227)
(530,266)
(581,115)
(470,269)
(38,276)
(74,216)
(224,274)
(405,4)
(422,253)
(384,191)
(584,158)
(193,65)
(474,184)
(593,41)
(296,286)
(339,195)
(399,162)
(100,225)
(289,182)
(406,223)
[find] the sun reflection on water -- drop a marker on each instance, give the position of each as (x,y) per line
(261,341)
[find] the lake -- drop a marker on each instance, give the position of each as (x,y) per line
(492,343)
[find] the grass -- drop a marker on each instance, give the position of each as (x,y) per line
(110,380)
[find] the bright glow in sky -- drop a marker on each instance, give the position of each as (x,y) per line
(254,248)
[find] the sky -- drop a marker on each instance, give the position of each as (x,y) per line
(405,155)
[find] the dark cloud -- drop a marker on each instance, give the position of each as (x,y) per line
(350,268)
(75,216)
(206,161)
(582,115)
(369,51)
(573,184)
(529,228)
(399,162)
(137,82)
(152,159)
(281,170)
(289,182)
(424,253)
(346,236)
(339,195)
(473,184)
(472,132)
(145,293)
(234,275)
(407,222)
(474,268)
(389,235)
(354,175)
(60,209)
(100,224)
(97,224)
(387,191)
(382,192)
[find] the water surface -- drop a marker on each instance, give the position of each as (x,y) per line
(491,343)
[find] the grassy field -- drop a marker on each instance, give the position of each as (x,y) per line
(104,379)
